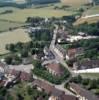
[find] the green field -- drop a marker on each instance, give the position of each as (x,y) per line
(92,11)
(90,75)
(15,36)
(21,15)
(5,25)
(89,20)
(75,2)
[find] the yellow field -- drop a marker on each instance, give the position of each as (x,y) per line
(89,20)
(92,11)
(74,2)
(15,36)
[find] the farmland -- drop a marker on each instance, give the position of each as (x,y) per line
(5,25)
(15,36)
(75,2)
(92,11)
(21,15)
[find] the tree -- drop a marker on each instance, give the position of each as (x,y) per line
(10,47)
(37,63)
(24,53)
(8,60)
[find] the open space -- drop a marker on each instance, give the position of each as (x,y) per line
(90,75)
(75,2)
(92,11)
(15,36)
(5,25)
(89,20)
(21,15)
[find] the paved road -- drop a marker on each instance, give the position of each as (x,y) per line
(59,59)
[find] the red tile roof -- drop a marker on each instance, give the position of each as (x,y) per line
(50,89)
(56,68)
(84,93)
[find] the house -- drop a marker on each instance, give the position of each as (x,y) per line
(86,64)
(3,70)
(55,69)
(26,76)
(61,36)
(81,93)
(73,53)
(23,76)
(3,67)
(82,34)
(60,51)
(55,94)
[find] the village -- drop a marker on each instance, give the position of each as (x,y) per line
(54,66)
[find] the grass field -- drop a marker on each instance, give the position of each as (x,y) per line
(74,2)
(21,15)
(92,11)
(15,36)
(90,75)
(5,25)
(89,20)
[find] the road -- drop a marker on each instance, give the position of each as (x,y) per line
(60,60)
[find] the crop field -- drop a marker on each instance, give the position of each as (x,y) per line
(92,11)
(18,35)
(75,2)
(21,15)
(89,20)
(5,25)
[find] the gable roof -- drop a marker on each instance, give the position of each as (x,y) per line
(86,64)
(85,93)
(75,51)
(56,68)
(50,89)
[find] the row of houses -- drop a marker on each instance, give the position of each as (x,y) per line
(68,54)
(8,76)
(54,94)
(81,93)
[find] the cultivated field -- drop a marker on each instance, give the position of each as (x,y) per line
(75,2)
(5,25)
(92,11)
(21,15)
(15,36)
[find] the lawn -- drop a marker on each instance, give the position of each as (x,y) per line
(90,75)
(15,36)
(65,46)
